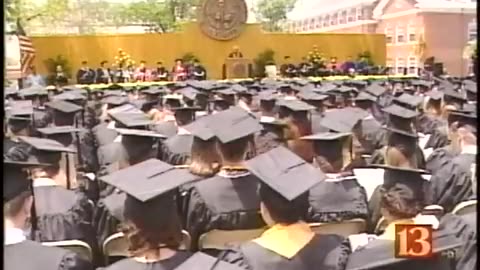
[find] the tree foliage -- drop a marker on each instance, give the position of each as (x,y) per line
(272,13)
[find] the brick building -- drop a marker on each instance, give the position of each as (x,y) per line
(415,29)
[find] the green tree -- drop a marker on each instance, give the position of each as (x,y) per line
(272,13)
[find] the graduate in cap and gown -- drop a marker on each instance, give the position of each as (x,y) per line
(288,243)
(199,72)
(19,252)
(19,122)
(228,200)
(402,199)
(451,183)
(85,75)
(136,147)
(155,241)
(317,101)
(160,73)
(38,96)
(371,127)
(339,197)
(168,125)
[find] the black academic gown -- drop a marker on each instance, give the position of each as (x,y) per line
(108,215)
(337,201)
(267,140)
(29,255)
(85,76)
(62,214)
(449,186)
(373,134)
(227,202)
(176,150)
(168,264)
(168,128)
(378,157)
(316,118)
(427,123)
(378,255)
(439,157)
(322,252)
(439,137)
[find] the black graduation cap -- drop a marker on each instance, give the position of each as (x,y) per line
(142,104)
(200,129)
(311,96)
(324,88)
(227,92)
(232,124)
(69,96)
(115,100)
(20,108)
(295,105)
(450,93)
(435,95)
(403,133)
(154,91)
(413,178)
(189,92)
(269,95)
(327,136)
(409,100)
(329,144)
(64,106)
(139,133)
(58,130)
(125,108)
(33,91)
(365,96)
(202,261)
(131,119)
(46,145)
(15,179)
(279,167)
(10,91)
(471,88)
(464,119)
(342,120)
(400,111)
(375,89)
(149,179)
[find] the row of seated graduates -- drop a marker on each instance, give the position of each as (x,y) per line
(336,98)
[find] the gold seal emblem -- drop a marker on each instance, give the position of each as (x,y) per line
(222,19)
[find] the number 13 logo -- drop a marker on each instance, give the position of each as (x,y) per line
(413,241)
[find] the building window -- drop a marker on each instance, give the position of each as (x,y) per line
(390,64)
(334,20)
(359,13)
(318,23)
(400,32)
(412,35)
(472,31)
(343,17)
(400,65)
(312,24)
(389,35)
(351,15)
(412,65)
(326,21)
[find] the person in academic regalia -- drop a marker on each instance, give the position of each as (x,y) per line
(199,72)
(19,252)
(402,199)
(142,73)
(451,183)
(371,128)
(60,76)
(61,214)
(136,146)
(179,72)
(154,240)
(176,149)
(19,122)
(85,75)
(288,243)
(317,101)
(103,74)
(227,201)
(340,198)
(235,53)
(432,116)
(168,125)
(160,73)
(39,97)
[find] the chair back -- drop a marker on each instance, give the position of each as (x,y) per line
(345,228)
(466,207)
(116,245)
(79,247)
(220,239)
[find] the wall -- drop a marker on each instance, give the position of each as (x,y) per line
(447,44)
(212,53)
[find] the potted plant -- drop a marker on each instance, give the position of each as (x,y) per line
(267,57)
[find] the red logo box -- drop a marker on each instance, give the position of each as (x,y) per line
(413,241)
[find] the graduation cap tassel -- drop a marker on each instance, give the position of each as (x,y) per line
(67,161)
(77,139)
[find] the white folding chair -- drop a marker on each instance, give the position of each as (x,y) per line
(466,207)
(220,239)
(345,228)
(116,245)
(77,246)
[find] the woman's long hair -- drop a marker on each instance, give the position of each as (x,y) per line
(152,224)
(297,128)
(204,158)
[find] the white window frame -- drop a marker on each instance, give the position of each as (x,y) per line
(470,67)
(400,64)
(400,31)
(389,33)
(326,21)
(390,63)
(318,22)
(411,30)
(472,31)
(341,17)
(412,63)
(351,15)
(359,13)
(334,19)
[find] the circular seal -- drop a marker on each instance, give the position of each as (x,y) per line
(222,19)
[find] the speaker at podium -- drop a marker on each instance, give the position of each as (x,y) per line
(237,68)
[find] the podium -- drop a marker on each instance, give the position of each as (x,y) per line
(237,68)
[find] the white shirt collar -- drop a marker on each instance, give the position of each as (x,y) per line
(43,182)
(469,149)
(14,236)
